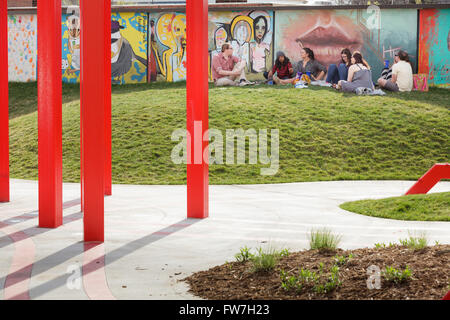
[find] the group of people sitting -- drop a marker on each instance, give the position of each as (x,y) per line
(351,73)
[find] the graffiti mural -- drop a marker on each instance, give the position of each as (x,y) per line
(434,46)
(250,33)
(22,46)
(327,32)
(128,48)
(168,45)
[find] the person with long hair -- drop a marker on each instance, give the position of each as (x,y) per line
(335,72)
(259,48)
(282,67)
(308,64)
(402,74)
(359,75)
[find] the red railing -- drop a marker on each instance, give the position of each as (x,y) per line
(438,172)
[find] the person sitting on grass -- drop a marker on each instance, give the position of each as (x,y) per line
(402,75)
(363,60)
(282,68)
(359,76)
(228,70)
(336,73)
(307,64)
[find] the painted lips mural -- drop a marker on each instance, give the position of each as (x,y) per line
(326,34)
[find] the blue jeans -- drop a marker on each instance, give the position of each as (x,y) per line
(335,73)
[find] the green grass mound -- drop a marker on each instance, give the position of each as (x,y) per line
(421,207)
(324,134)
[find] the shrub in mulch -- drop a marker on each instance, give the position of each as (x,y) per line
(308,275)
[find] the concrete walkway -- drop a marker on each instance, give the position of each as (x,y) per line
(150,244)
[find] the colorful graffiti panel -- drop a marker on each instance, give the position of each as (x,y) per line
(22,46)
(128,48)
(434,46)
(376,34)
(250,33)
(168,46)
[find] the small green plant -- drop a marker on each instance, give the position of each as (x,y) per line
(384,245)
(289,283)
(312,280)
(416,243)
(436,242)
(380,245)
(397,276)
(244,255)
(297,283)
(265,260)
(324,240)
(285,253)
(332,282)
(342,260)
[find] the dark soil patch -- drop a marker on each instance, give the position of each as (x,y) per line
(234,281)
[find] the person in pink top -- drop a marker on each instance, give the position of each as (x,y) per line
(228,70)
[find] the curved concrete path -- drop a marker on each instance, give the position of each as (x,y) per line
(150,244)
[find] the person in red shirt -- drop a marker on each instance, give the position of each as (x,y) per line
(282,67)
(228,70)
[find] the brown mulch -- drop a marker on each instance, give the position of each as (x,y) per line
(235,281)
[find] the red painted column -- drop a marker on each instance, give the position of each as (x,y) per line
(93,25)
(107,79)
(50,113)
(4,114)
(197,107)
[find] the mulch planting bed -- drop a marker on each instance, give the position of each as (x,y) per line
(430,278)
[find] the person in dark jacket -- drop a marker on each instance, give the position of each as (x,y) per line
(282,67)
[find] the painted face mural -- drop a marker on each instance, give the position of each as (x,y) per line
(169,47)
(122,53)
(220,38)
(327,32)
(128,48)
(168,41)
(260,28)
(73,25)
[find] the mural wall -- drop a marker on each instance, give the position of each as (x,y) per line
(128,48)
(327,32)
(249,32)
(22,46)
(150,47)
(434,46)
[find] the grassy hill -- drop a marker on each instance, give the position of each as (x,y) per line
(324,134)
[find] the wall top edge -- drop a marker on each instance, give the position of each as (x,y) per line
(253,6)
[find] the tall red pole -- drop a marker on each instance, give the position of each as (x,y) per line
(50,113)
(107,79)
(4,114)
(197,107)
(93,25)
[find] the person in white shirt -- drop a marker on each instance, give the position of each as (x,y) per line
(402,75)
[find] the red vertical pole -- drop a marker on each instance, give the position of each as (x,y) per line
(107,79)
(50,113)
(93,24)
(4,114)
(197,107)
